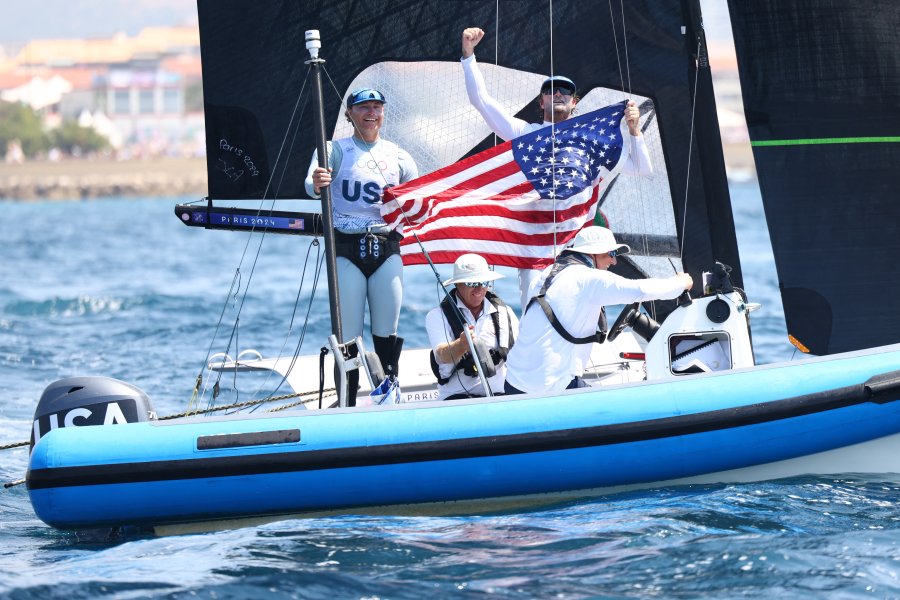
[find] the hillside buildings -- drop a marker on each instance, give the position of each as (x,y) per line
(143,93)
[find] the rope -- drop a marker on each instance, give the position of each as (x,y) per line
(245,404)
(189,413)
(14,445)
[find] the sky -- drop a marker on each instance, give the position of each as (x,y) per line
(24,20)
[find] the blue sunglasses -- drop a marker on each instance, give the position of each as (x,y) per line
(474,284)
(613,253)
(365,95)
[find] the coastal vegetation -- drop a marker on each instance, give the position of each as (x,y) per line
(22,131)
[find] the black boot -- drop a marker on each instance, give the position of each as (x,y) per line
(397,342)
(388,351)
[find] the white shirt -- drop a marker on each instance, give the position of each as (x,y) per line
(439,332)
(542,361)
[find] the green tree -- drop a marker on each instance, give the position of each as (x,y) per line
(70,135)
(21,122)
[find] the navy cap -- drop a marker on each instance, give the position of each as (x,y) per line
(365,95)
(558,82)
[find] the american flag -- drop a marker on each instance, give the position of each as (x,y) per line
(514,204)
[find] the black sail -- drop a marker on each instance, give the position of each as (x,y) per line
(821,89)
(259,127)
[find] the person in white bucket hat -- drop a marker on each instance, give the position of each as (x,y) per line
(566,315)
(487,318)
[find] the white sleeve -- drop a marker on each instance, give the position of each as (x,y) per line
(638,160)
(502,123)
(614,289)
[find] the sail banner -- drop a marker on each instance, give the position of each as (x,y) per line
(516,203)
(260,126)
(824,127)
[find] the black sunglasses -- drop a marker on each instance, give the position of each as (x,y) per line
(565,91)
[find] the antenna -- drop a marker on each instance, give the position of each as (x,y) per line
(313,43)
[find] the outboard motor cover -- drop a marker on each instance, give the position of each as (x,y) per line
(79,401)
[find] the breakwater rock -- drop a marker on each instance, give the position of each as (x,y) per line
(78,179)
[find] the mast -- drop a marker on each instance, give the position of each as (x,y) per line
(313,43)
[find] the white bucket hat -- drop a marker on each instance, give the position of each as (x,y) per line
(596,240)
(470,268)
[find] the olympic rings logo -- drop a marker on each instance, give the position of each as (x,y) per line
(372,165)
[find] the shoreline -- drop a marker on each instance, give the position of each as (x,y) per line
(78,179)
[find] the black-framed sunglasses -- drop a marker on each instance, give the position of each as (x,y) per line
(475,284)
(613,253)
(562,90)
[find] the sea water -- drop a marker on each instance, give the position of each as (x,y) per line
(119,287)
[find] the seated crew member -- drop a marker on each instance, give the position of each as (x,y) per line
(558,97)
(369,266)
(566,311)
(487,318)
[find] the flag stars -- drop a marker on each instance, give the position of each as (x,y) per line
(566,158)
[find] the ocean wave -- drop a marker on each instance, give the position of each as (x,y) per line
(65,307)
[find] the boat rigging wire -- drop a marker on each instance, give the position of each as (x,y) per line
(284,139)
(625,45)
(552,129)
(690,146)
(625,73)
(320,261)
(628,93)
(496,44)
(296,116)
(612,22)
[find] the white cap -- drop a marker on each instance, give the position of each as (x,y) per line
(470,268)
(596,240)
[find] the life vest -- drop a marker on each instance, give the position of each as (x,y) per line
(564,260)
(453,317)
